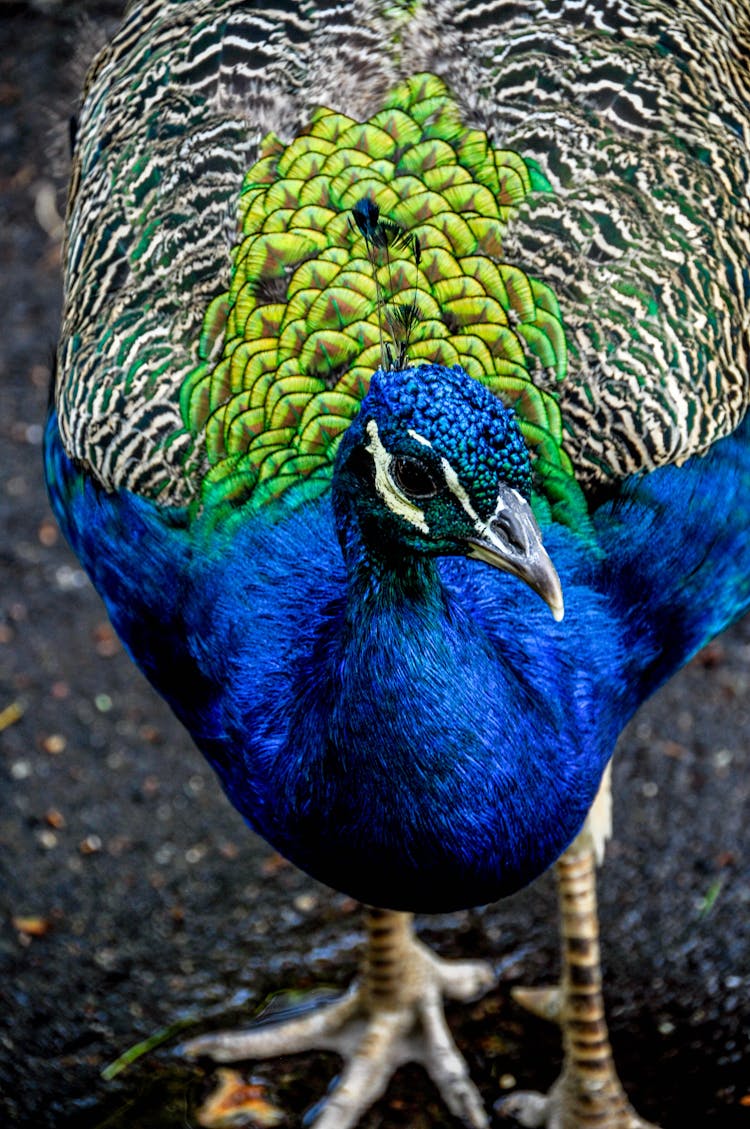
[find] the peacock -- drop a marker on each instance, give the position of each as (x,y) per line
(400,421)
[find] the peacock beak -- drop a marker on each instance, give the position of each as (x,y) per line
(512,541)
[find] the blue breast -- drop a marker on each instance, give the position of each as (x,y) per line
(423,754)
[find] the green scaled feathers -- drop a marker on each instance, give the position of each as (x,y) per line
(299,332)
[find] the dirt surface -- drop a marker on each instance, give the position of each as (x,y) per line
(133,895)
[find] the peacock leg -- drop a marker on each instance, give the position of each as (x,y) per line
(392,1015)
(588,1092)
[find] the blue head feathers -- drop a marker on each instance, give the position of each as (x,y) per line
(444,411)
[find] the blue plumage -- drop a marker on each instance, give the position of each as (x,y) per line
(434,739)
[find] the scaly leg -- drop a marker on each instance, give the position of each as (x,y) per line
(393,1015)
(588,1092)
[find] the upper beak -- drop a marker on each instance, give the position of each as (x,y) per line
(512,541)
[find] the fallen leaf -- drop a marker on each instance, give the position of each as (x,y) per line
(271,866)
(32,926)
(236,1103)
(48,533)
(105,641)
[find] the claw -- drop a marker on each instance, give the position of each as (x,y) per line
(527,1108)
(545,1003)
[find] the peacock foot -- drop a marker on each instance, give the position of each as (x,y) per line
(588,1094)
(392,1016)
(574,1102)
(585,1094)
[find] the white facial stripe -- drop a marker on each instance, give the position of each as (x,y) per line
(385,485)
(419,438)
(455,487)
(501,502)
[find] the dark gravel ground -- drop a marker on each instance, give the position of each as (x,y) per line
(132,895)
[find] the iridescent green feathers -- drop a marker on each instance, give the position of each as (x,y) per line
(288,352)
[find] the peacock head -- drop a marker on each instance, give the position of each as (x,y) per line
(433,465)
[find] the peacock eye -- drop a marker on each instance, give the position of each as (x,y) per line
(413,478)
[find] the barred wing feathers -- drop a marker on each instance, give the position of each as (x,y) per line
(221,322)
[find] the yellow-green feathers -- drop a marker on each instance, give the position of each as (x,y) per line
(287,354)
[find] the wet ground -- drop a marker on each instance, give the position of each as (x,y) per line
(132,894)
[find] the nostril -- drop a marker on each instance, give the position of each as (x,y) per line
(511,530)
